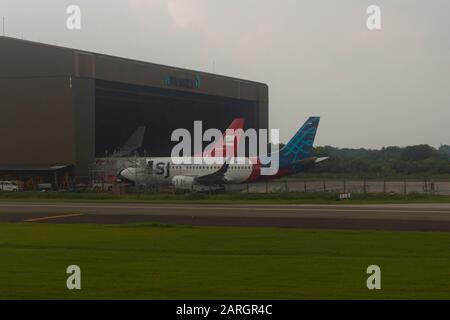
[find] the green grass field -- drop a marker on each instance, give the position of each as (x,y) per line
(236,198)
(164,262)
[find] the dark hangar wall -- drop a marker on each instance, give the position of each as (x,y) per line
(121,108)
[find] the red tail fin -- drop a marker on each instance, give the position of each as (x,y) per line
(229,142)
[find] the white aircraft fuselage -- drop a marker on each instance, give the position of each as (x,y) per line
(167,171)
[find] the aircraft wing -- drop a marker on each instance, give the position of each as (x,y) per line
(214,178)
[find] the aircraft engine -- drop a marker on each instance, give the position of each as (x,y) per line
(183,182)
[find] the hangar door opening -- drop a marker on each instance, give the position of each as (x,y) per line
(121,108)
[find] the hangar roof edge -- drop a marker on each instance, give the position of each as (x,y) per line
(134,60)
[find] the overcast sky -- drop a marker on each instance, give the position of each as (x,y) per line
(371,88)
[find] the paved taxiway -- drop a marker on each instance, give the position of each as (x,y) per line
(417,217)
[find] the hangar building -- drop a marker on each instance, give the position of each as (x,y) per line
(62,108)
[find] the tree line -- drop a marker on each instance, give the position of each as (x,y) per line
(420,160)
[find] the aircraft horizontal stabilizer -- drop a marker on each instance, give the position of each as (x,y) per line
(319,160)
(311,161)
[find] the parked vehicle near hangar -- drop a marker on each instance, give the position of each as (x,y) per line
(9,186)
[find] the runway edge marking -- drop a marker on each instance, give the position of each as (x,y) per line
(54,217)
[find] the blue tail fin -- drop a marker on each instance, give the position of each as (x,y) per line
(301,145)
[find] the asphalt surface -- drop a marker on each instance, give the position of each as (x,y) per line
(411,217)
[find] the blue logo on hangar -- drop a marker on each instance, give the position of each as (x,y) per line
(185,83)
